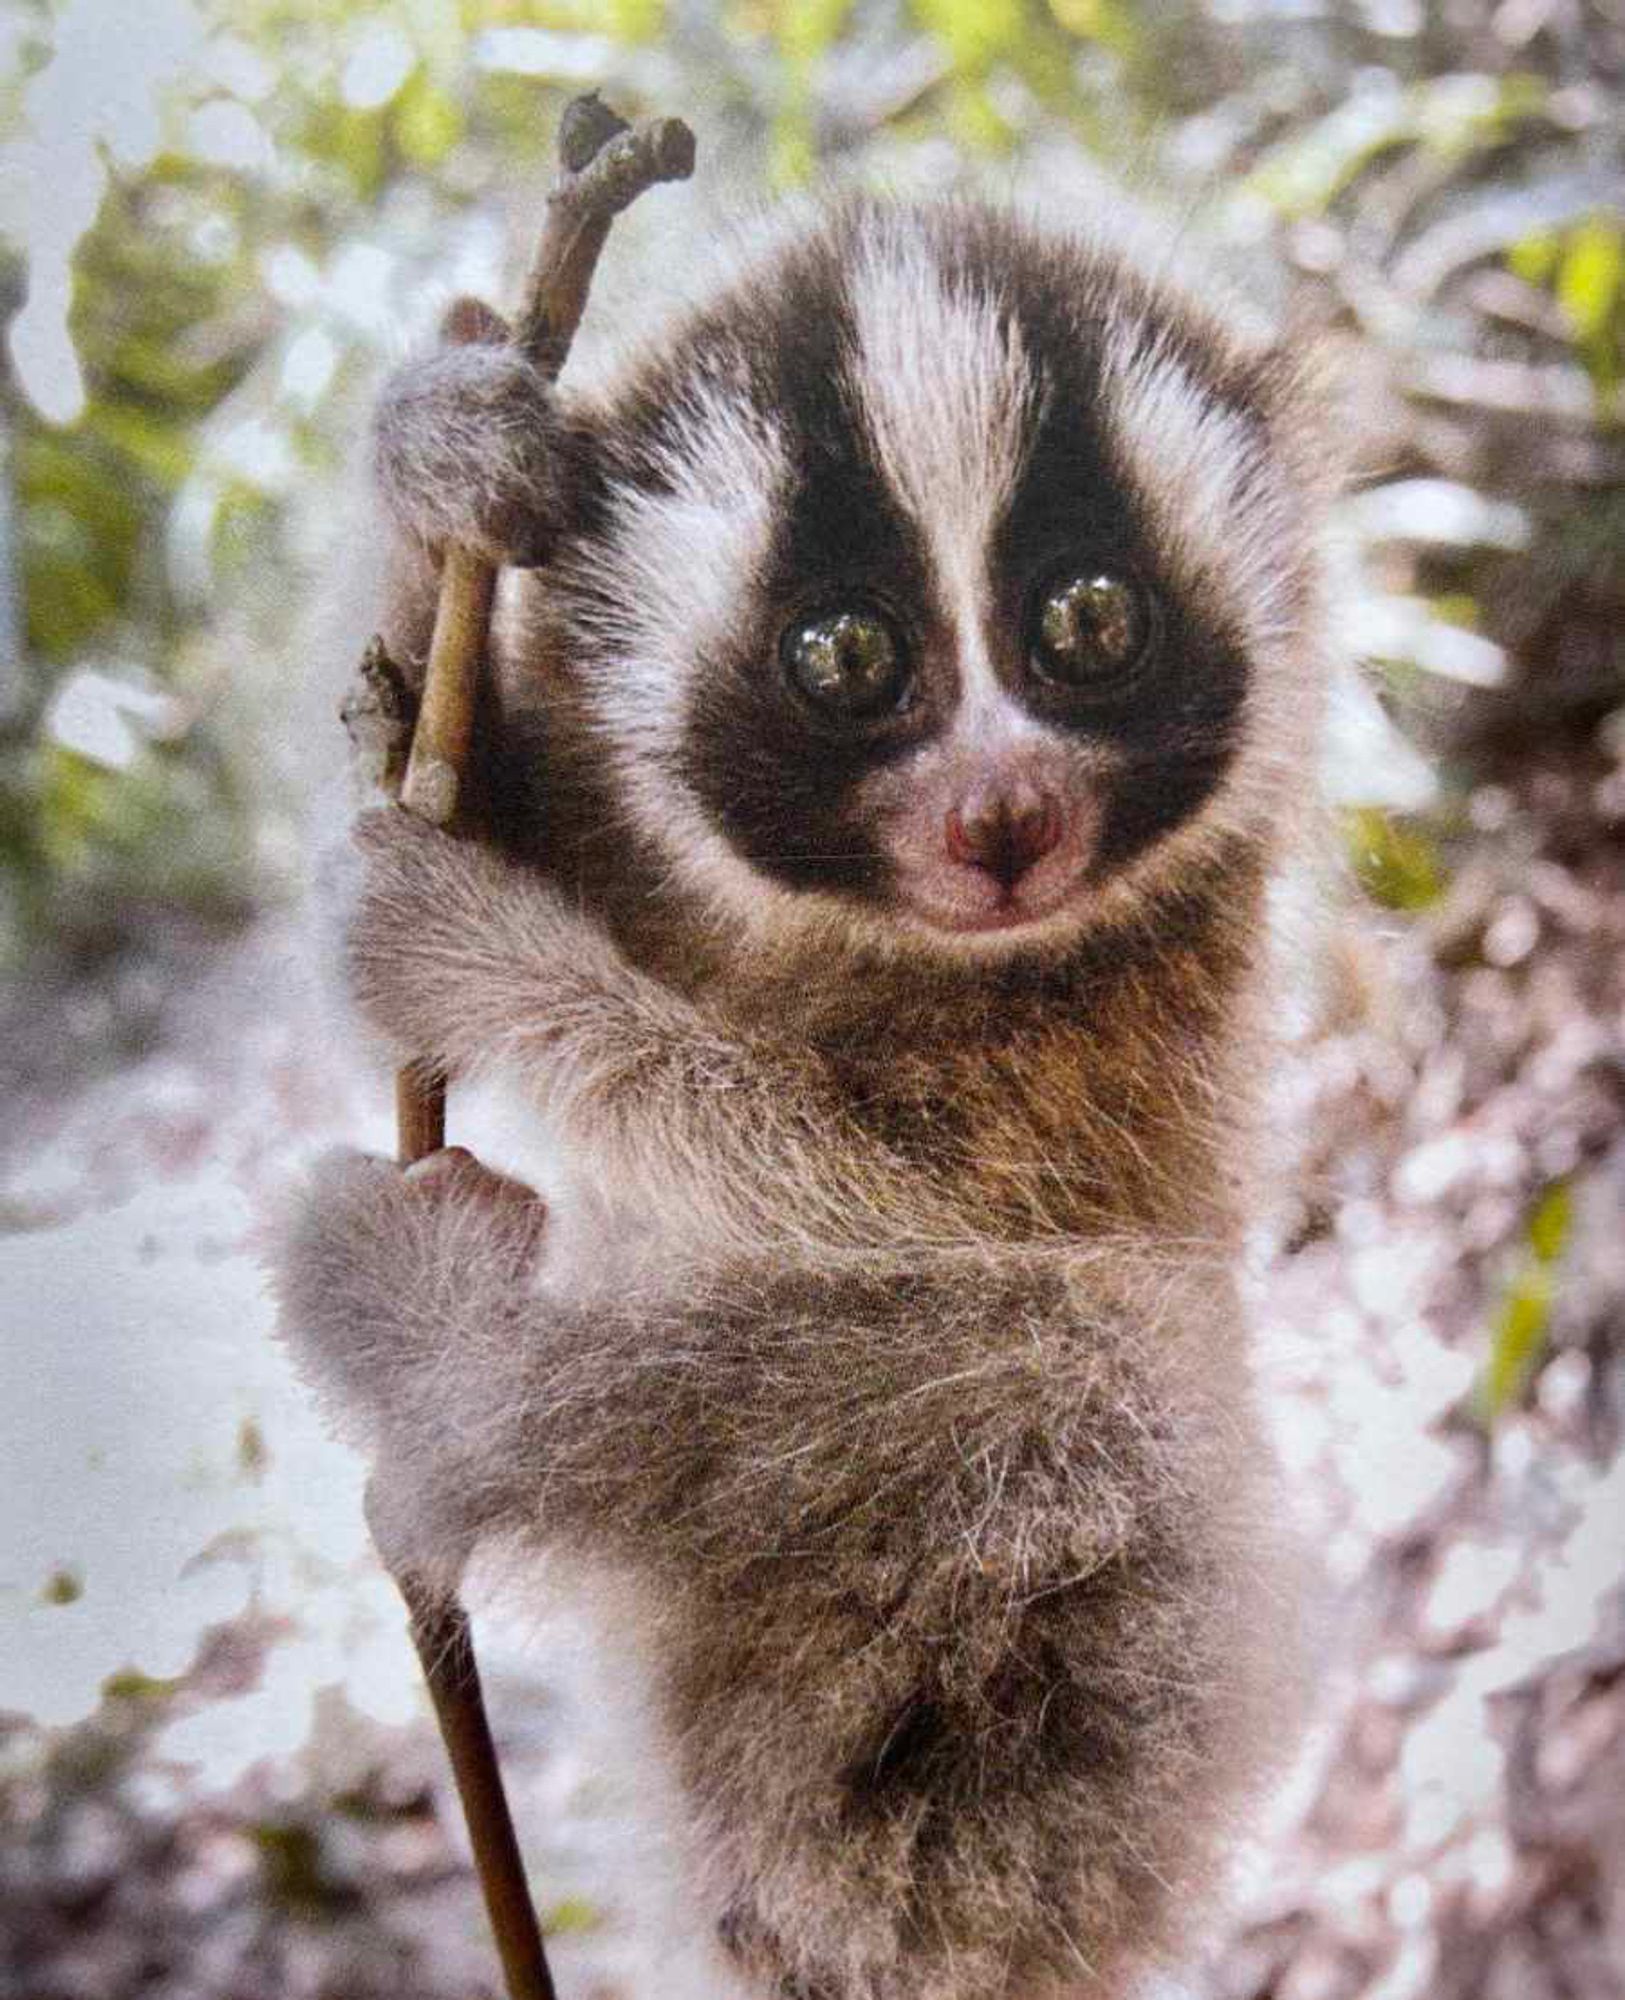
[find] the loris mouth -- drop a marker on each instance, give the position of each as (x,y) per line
(980,909)
(997,848)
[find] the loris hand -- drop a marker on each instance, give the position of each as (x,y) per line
(469,447)
(461,957)
(393,1287)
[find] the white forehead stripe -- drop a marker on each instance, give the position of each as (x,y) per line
(948,397)
(944,382)
(1219,506)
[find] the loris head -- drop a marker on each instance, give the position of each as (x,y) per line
(947,584)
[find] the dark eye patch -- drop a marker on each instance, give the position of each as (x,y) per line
(1075,511)
(776,774)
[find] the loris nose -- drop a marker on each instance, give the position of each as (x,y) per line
(1004,829)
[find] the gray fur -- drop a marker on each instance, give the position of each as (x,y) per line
(465,450)
(885,1337)
(960,1619)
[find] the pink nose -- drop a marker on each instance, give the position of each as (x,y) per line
(1004,830)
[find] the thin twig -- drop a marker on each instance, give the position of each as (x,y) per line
(445,1649)
(603,165)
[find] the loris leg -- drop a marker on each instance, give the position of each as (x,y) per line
(948,1562)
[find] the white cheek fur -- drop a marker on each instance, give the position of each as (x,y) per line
(1232,526)
(685,562)
(1222,510)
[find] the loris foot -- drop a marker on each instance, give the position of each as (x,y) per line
(383,1273)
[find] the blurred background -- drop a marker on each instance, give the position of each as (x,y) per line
(217,224)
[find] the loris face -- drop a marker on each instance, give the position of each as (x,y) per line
(948,579)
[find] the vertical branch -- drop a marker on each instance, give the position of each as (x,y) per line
(445,1649)
(603,165)
(445,726)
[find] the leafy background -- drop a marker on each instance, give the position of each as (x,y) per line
(217,224)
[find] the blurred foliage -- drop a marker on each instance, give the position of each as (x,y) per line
(570,1916)
(132,1686)
(294,1871)
(216,221)
(63,1586)
(1518,1337)
(1584,270)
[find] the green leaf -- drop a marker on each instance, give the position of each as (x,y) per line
(1534,258)
(1552,1223)
(1463,113)
(428,122)
(976,33)
(1516,1343)
(973,119)
(83,515)
(804,29)
(1305,173)
(130,1684)
(1457,607)
(163,451)
(635,20)
(62,1586)
(1398,866)
(1101,21)
(571,1915)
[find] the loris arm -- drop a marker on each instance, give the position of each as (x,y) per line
(949,1544)
(468,961)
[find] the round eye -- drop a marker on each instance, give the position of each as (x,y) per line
(1090,631)
(848,662)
